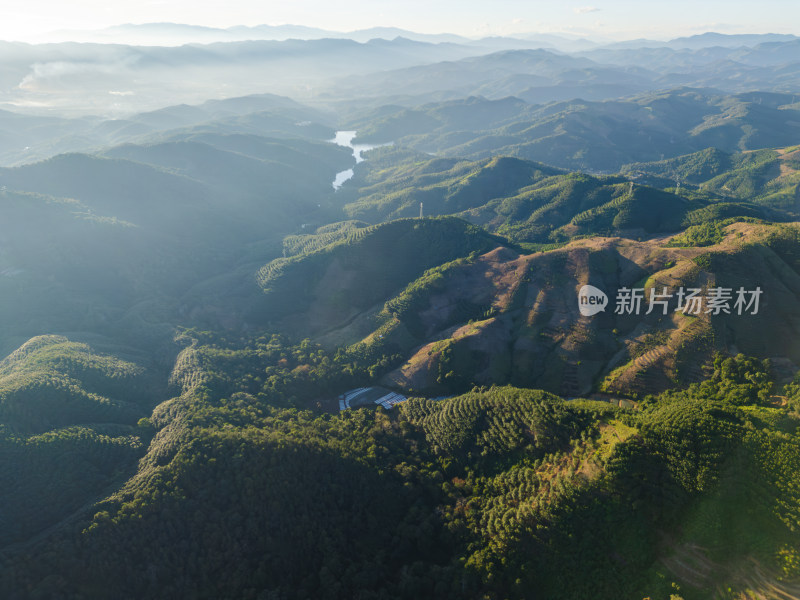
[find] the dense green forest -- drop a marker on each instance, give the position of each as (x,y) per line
(497,493)
(528,202)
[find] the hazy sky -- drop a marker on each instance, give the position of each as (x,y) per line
(23,19)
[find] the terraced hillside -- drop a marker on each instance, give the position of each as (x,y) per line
(494,490)
(69,434)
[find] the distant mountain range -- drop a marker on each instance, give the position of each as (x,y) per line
(539,75)
(593,136)
(377,66)
(171,34)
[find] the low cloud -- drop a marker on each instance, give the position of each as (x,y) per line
(582,10)
(44,76)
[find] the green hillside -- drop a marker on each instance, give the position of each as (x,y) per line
(396,181)
(51,382)
(351,275)
(563,207)
(68,414)
(767,177)
(306,243)
(528,202)
(489,493)
(695,168)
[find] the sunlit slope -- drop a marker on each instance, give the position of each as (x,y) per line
(506,316)
(526,328)
(394,182)
(52,382)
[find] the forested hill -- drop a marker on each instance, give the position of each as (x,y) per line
(488,494)
(528,202)
(350,275)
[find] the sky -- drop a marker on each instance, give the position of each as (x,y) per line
(601,19)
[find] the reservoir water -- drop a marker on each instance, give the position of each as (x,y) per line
(345,138)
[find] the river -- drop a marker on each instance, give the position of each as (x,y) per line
(345,138)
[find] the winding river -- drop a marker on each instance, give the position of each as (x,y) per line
(345,138)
